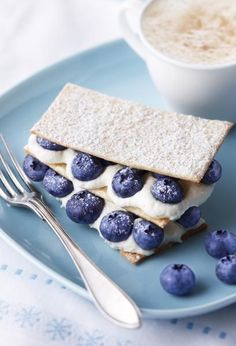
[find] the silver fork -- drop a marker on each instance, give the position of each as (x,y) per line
(17,190)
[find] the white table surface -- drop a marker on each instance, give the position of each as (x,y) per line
(34,309)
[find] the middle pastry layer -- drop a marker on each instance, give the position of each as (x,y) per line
(194,194)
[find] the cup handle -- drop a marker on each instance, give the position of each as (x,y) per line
(128,33)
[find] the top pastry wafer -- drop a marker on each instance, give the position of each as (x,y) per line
(132,134)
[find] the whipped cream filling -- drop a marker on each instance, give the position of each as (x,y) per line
(172,231)
(194,194)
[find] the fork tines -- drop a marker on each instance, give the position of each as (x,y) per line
(14,181)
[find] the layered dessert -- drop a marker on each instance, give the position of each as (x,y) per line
(136,174)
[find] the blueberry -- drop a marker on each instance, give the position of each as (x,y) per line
(159,176)
(108,163)
(177,279)
(56,184)
(34,169)
(86,167)
(213,173)
(167,190)
(220,243)
(147,235)
(46,144)
(190,217)
(84,207)
(226,269)
(127,182)
(117,225)
(141,172)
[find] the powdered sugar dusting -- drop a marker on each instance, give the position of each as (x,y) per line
(132,134)
(57,182)
(88,198)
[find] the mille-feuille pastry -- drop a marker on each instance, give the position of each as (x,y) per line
(141,173)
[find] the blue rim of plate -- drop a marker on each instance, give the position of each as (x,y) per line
(146,313)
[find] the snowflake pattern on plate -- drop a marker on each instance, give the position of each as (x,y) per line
(59,329)
(94,338)
(27,317)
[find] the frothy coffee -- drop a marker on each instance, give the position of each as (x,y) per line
(192,31)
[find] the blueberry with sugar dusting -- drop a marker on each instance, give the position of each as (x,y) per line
(84,207)
(190,217)
(86,167)
(213,173)
(34,169)
(117,225)
(226,269)
(177,279)
(127,182)
(46,144)
(167,190)
(220,243)
(56,184)
(147,235)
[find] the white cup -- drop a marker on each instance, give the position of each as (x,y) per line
(208,91)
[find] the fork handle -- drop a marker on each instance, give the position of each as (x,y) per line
(110,299)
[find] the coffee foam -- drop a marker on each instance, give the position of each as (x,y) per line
(192,31)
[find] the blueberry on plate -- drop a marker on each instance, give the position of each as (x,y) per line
(117,225)
(56,184)
(226,269)
(46,144)
(190,217)
(127,182)
(34,169)
(177,279)
(147,235)
(86,167)
(167,190)
(220,243)
(213,173)
(84,207)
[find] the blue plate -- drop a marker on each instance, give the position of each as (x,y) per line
(113,69)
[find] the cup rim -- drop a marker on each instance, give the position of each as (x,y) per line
(171,60)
